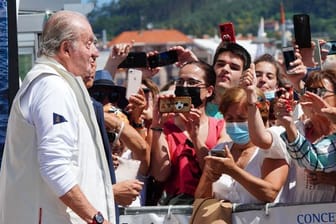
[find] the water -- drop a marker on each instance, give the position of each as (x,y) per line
(3,73)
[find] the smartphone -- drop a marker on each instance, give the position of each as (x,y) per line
(317,54)
(330,46)
(227,32)
(302,30)
(134,60)
(176,104)
(220,149)
(163,59)
(289,56)
(134,78)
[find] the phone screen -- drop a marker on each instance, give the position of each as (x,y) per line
(302,30)
(162,59)
(134,78)
(288,54)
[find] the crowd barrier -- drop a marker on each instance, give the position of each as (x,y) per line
(279,213)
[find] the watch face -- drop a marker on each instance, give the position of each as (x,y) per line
(99,218)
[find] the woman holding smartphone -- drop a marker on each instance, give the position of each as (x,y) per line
(247,174)
(182,140)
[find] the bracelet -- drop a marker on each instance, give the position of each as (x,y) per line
(157,129)
(117,135)
(122,125)
(138,125)
(114,135)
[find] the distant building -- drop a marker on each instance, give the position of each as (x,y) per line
(153,39)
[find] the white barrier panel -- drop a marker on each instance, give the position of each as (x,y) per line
(284,213)
(178,214)
(316,213)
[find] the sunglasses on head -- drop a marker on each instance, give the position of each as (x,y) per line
(113,97)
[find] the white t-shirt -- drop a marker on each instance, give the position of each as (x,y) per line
(229,189)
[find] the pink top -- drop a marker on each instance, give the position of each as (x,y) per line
(186,171)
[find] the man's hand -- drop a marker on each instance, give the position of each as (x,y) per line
(125,192)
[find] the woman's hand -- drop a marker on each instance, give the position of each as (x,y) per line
(216,166)
(160,118)
(136,105)
(248,81)
(184,55)
(283,107)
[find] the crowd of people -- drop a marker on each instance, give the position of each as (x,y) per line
(77,149)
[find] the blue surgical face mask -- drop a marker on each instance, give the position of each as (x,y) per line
(269,95)
(238,132)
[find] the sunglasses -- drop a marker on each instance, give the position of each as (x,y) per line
(113,97)
(320,91)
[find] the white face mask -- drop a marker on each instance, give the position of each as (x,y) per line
(269,95)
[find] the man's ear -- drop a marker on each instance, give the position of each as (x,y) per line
(65,48)
(210,91)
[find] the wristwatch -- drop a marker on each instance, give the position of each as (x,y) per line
(98,218)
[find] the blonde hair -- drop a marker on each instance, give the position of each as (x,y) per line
(238,95)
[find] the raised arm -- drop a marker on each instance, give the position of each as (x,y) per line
(257,130)
(160,159)
(132,139)
(319,156)
(118,53)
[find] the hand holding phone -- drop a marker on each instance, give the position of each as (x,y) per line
(302,30)
(176,104)
(287,93)
(163,59)
(134,78)
(220,149)
(227,32)
(289,56)
(134,60)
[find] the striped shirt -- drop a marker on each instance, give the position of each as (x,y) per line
(319,156)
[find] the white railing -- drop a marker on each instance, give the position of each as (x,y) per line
(312,213)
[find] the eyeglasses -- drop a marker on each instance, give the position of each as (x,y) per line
(113,97)
(320,91)
(190,82)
